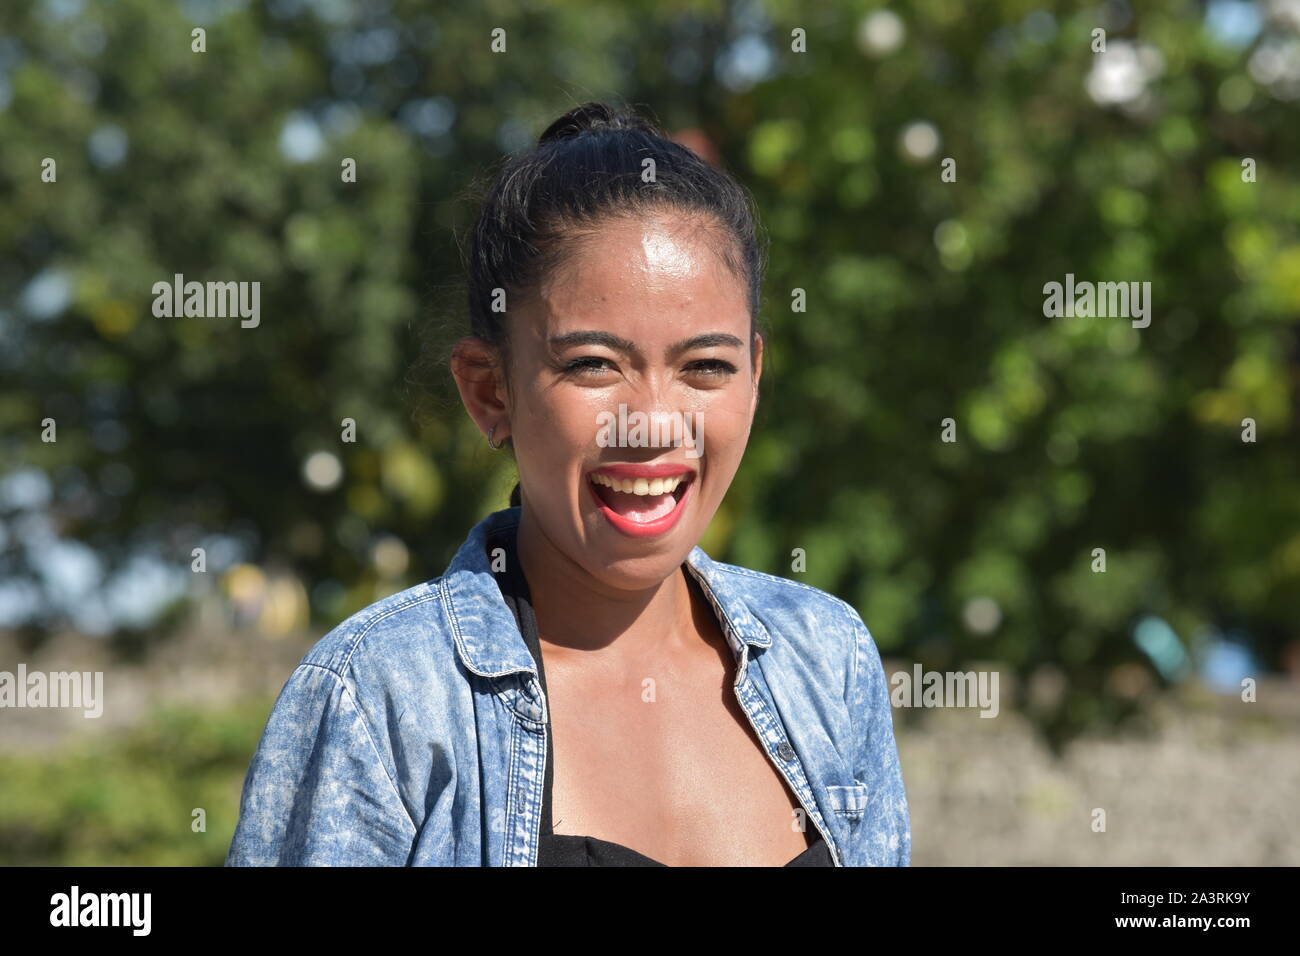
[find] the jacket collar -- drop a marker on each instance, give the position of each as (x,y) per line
(488,640)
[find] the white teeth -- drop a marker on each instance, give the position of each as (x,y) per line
(640,486)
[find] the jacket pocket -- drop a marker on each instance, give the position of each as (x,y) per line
(847,801)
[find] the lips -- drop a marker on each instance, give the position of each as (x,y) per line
(641,500)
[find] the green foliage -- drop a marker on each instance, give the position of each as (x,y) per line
(924,300)
(128,800)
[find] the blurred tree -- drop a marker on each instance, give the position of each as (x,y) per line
(924,298)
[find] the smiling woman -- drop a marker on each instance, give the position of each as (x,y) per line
(584,685)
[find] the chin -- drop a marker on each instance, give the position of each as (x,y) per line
(638,572)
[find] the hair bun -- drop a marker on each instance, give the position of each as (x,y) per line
(594,117)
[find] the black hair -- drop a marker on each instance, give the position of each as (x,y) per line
(588,166)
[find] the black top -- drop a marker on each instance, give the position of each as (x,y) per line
(562,849)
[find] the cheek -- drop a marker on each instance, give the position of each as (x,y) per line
(727,422)
(563,424)
(725,438)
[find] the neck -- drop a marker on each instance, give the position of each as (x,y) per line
(574,609)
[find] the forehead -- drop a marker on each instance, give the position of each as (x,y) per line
(647,279)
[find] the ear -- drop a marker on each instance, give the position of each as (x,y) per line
(758,369)
(480,378)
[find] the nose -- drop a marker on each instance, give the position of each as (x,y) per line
(651,419)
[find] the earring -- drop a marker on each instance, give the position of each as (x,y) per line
(494,445)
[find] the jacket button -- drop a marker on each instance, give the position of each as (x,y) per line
(785,751)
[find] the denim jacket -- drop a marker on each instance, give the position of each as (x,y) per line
(414,733)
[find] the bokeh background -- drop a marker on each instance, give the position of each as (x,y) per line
(1121,690)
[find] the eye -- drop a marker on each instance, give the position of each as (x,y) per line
(712,367)
(587,364)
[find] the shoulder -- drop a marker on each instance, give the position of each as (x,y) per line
(769,594)
(387,628)
(807,626)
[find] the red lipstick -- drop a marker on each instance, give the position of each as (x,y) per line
(625,523)
(647,471)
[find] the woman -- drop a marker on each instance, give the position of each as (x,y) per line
(584,685)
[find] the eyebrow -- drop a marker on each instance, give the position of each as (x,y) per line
(619,344)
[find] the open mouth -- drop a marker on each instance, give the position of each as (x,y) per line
(644,503)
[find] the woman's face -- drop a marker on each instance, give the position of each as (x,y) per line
(643,326)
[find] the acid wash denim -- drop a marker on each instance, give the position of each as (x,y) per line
(414,733)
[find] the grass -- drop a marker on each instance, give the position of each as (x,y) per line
(131,800)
